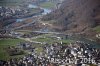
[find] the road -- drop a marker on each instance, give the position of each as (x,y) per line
(28,39)
(24,25)
(40,32)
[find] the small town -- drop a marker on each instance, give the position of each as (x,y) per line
(45,33)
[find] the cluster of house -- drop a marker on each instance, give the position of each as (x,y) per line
(74,54)
(8,12)
(98,36)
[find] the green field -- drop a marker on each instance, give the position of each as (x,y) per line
(4,43)
(8,4)
(97,29)
(47,5)
(34,11)
(67,41)
(46,38)
(11,2)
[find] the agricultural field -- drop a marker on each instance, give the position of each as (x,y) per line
(47,5)
(50,39)
(11,2)
(4,43)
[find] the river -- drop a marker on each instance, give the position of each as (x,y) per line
(46,11)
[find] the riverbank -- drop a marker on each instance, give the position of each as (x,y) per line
(19,12)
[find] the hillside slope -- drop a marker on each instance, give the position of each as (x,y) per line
(76,15)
